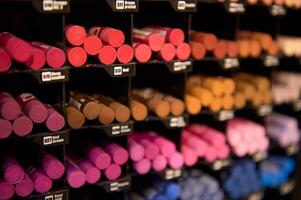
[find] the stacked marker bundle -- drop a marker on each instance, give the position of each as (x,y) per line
(286,87)
(23,179)
(276,170)
(255,88)
(91,107)
(252,44)
(201,141)
(159,103)
(157,190)
(95,160)
(19,115)
(246,137)
(167,43)
(283,129)
(34,55)
(196,185)
(242,179)
(202,43)
(150,151)
(105,43)
(215,93)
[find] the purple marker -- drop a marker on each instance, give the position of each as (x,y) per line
(55,121)
(76,178)
(52,166)
(118,153)
(159,163)
(33,108)
(24,187)
(6,190)
(22,126)
(41,182)
(6,128)
(113,172)
(142,166)
(12,170)
(9,108)
(92,173)
(99,157)
(136,151)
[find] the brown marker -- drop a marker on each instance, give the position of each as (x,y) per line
(122,112)
(198,50)
(139,110)
(193,104)
(227,102)
(85,104)
(208,39)
(216,104)
(203,94)
(75,118)
(106,114)
(153,100)
(239,100)
(215,85)
(177,106)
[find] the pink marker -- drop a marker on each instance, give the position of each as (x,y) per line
(151,150)
(125,54)
(99,157)
(183,51)
(41,182)
(12,170)
(159,163)
(92,173)
(167,148)
(76,56)
(107,55)
(264,144)
(142,166)
(55,121)
(18,49)
(119,155)
(241,150)
(136,151)
(176,161)
(76,178)
(55,57)
(113,172)
(189,156)
(37,60)
(92,45)
(9,108)
(22,126)
(223,151)
(24,187)
(33,108)
(234,137)
(211,154)
(52,166)
(7,190)
(6,128)
(5,60)
(75,34)
(175,36)
(253,148)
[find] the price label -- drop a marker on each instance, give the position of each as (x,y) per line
(297,105)
(219,164)
(130,5)
(121,129)
(292,149)
(177,122)
(277,10)
(255,196)
(52,76)
(224,115)
(186,5)
(286,188)
(235,7)
(182,66)
(50,139)
(121,70)
(230,63)
(172,174)
(55,5)
(271,61)
(119,185)
(264,110)
(259,156)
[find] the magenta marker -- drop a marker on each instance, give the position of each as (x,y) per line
(167,148)
(37,60)
(119,155)
(6,190)
(33,108)
(5,60)
(223,151)
(22,126)
(24,187)
(41,182)
(211,154)
(99,157)
(55,121)
(12,170)
(92,173)
(189,156)
(113,172)
(76,178)
(159,163)
(52,166)
(151,150)
(6,128)
(195,143)
(176,161)
(214,137)
(9,108)
(18,49)
(136,151)
(142,166)
(55,57)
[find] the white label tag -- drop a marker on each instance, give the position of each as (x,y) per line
(181,66)
(231,63)
(271,61)
(277,10)
(183,5)
(264,110)
(120,129)
(177,122)
(54,139)
(120,70)
(171,174)
(236,7)
(54,5)
(125,5)
(225,115)
(114,186)
(52,76)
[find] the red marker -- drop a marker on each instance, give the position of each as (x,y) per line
(75,34)
(154,40)
(107,55)
(125,54)
(175,36)
(143,53)
(183,51)
(77,56)
(5,60)
(167,52)
(92,45)
(108,35)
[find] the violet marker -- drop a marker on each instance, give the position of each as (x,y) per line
(9,108)
(176,161)
(55,121)
(7,190)
(5,60)
(113,172)
(142,166)
(136,151)
(76,178)
(33,108)
(93,174)
(6,128)
(41,182)
(159,163)
(52,166)
(22,126)
(24,187)
(12,170)
(99,157)
(119,155)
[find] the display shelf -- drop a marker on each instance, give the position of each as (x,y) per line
(171,122)
(175,66)
(61,194)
